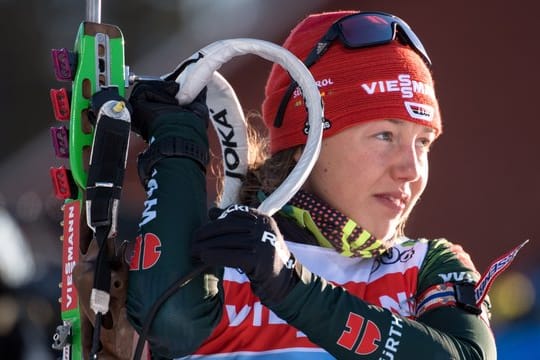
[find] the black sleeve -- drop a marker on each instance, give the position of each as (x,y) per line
(175,207)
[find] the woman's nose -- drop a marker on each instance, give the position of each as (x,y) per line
(408,165)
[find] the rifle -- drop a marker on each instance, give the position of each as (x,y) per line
(96,148)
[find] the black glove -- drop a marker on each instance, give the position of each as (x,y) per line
(101,97)
(154,98)
(241,237)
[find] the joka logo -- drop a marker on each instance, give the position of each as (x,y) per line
(369,334)
(146,252)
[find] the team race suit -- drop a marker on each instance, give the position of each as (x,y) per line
(400,305)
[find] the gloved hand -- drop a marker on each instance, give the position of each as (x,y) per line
(152,99)
(101,97)
(242,237)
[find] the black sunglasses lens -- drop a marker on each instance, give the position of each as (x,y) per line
(365,30)
(373,29)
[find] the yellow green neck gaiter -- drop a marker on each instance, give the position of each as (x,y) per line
(331,228)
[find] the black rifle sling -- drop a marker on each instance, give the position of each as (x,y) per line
(104,186)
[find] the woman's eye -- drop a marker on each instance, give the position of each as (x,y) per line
(425,143)
(385,135)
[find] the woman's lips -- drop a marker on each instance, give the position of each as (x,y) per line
(395,201)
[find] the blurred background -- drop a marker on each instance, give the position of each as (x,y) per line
(485,172)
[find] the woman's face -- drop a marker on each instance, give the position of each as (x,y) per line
(374,172)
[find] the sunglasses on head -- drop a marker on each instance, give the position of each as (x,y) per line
(356,31)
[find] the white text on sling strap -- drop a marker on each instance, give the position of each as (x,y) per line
(403,84)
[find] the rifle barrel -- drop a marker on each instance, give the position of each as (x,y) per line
(93,11)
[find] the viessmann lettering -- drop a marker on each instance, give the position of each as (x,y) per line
(256,314)
(404,84)
(70,255)
(69,265)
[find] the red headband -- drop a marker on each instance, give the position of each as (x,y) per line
(357,85)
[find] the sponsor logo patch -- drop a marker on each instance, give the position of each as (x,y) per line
(70,255)
(146,253)
(365,339)
(419,111)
